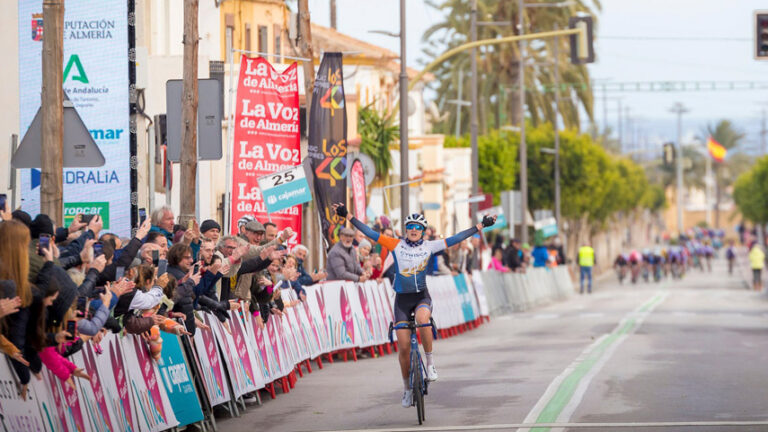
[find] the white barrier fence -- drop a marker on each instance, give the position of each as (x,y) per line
(516,292)
(129,391)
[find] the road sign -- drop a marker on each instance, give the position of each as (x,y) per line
(208,119)
(284,189)
(80,150)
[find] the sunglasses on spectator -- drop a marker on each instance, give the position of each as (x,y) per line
(416,227)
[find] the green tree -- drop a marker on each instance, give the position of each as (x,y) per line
(749,192)
(498,95)
(377,133)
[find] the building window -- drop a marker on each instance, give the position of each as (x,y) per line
(247,37)
(278,41)
(263,40)
(229,34)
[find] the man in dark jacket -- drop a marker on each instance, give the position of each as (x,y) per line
(342,259)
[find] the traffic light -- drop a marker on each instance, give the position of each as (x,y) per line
(582,50)
(669,154)
(761,35)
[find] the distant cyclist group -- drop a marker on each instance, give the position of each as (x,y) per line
(688,252)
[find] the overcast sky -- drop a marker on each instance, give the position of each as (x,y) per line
(637,41)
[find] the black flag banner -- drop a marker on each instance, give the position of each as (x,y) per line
(328,144)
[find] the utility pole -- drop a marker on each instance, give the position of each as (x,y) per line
(311,223)
(188,195)
(52,110)
(333,14)
(679,109)
(473,110)
(556,124)
(404,195)
(523,145)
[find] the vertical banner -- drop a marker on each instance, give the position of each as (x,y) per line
(178,381)
(328,144)
(98,84)
(357,178)
(211,366)
(266,139)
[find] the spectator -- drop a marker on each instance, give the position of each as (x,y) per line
(757,262)
(162,222)
(512,256)
(230,250)
(156,237)
(496,261)
(540,255)
(305,278)
(586,260)
(342,259)
(211,230)
(253,232)
(270,232)
(242,222)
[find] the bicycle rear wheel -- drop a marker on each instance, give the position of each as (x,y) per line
(418,388)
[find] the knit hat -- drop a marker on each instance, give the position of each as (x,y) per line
(42,224)
(347,232)
(22,216)
(364,243)
(209,225)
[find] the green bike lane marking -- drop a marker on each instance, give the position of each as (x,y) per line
(569,385)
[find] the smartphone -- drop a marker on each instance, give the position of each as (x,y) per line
(163,309)
(119,273)
(44,243)
(162,267)
(98,291)
(71,329)
(155,257)
(98,249)
(3,200)
(142,215)
(82,304)
(196,269)
(86,218)
(190,224)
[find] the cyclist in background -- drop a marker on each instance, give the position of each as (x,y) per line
(411,256)
(620,265)
(730,255)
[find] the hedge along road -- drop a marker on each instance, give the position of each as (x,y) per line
(687,355)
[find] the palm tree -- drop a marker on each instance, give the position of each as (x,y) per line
(377,132)
(726,172)
(498,64)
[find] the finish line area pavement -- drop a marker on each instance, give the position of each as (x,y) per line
(689,355)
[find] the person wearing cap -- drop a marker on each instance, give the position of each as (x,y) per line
(411,256)
(254,234)
(211,230)
(342,259)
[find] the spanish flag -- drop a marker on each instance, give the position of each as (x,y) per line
(716,150)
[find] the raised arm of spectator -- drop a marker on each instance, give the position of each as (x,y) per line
(126,258)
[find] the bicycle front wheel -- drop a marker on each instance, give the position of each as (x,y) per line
(418,387)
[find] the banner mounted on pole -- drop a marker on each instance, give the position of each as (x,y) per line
(328,144)
(357,177)
(266,139)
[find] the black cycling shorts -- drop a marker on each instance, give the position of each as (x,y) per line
(405,304)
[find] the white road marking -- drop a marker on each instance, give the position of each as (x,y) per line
(546,316)
(691,424)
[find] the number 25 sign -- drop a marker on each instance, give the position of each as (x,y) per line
(284,189)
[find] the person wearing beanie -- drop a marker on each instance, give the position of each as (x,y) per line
(41,224)
(210,229)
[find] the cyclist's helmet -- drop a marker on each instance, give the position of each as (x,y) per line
(245,219)
(417,219)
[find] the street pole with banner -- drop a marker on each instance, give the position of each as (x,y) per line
(357,179)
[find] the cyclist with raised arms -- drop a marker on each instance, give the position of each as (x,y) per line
(411,257)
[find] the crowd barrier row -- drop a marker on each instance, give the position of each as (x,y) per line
(129,391)
(517,292)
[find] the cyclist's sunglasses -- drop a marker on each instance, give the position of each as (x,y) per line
(416,227)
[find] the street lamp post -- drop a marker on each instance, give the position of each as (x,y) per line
(404,198)
(473,110)
(523,146)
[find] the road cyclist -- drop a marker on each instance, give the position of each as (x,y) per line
(411,256)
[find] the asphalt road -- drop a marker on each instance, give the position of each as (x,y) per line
(655,357)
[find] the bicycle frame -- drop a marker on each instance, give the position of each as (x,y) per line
(417,372)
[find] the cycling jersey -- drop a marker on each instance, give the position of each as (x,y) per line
(411,259)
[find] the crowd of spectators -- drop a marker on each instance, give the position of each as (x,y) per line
(66,285)
(517,257)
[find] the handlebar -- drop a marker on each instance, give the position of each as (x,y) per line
(412,326)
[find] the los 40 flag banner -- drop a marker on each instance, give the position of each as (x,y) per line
(328,144)
(266,139)
(96,80)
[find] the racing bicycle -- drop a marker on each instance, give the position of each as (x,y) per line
(418,372)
